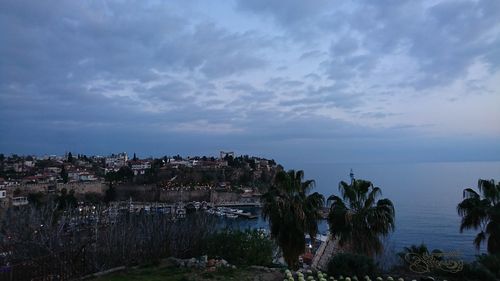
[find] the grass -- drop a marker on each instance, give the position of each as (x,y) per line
(162,273)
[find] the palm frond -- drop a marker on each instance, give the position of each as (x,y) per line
(372,196)
(480,237)
(470,193)
(489,190)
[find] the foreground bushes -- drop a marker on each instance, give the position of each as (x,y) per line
(320,276)
(484,268)
(248,247)
(71,243)
(351,265)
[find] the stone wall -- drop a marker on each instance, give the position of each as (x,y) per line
(151,193)
(84,187)
(184,195)
(78,187)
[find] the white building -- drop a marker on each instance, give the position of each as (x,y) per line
(85,176)
(116,161)
(223,154)
(19,201)
(140,167)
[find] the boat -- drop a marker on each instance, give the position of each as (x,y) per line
(180,213)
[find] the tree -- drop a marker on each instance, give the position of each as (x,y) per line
(134,158)
(110,194)
(358,220)
(36,199)
(17,192)
(125,173)
(482,211)
(292,212)
(66,199)
(70,157)
(409,254)
(64,174)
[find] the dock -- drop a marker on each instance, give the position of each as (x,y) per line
(236,204)
(182,207)
(247,215)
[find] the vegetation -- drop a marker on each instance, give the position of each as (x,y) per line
(419,250)
(482,211)
(79,243)
(248,247)
(66,199)
(484,268)
(358,220)
(320,276)
(165,273)
(292,212)
(346,264)
(123,174)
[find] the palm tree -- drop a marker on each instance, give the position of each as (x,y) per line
(292,212)
(357,220)
(419,251)
(482,212)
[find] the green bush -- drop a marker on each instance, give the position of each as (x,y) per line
(248,247)
(484,268)
(351,265)
(491,262)
(475,272)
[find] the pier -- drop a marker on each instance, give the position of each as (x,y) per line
(236,204)
(179,209)
(247,215)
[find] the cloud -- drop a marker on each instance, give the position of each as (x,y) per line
(250,75)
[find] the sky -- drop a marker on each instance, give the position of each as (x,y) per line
(317,81)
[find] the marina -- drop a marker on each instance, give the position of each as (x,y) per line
(180,209)
(230,213)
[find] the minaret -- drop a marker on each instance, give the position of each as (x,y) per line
(351,174)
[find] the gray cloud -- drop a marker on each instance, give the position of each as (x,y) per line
(260,74)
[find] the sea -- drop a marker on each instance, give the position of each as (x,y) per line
(425,197)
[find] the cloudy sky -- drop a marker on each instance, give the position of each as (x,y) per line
(339,81)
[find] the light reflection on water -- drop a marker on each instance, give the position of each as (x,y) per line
(425,196)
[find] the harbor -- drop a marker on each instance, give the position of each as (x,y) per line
(230,213)
(180,209)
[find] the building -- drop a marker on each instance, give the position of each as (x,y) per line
(4,202)
(139,167)
(19,201)
(86,176)
(116,161)
(223,154)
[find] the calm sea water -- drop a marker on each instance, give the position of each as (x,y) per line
(425,196)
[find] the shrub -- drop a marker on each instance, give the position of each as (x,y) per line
(476,272)
(419,250)
(248,247)
(491,262)
(351,264)
(484,268)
